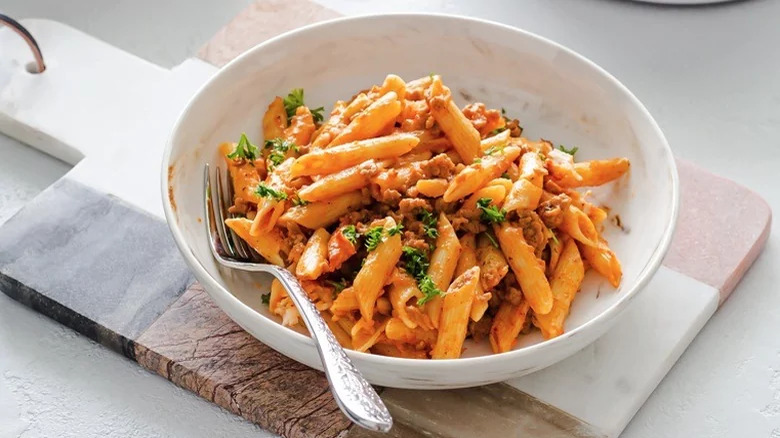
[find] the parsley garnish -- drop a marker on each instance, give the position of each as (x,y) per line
(416,264)
(497,131)
(429,224)
(267,192)
(265,299)
(490,213)
(350,233)
(428,288)
(244,149)
(316,114)
(337,285)
(571,151)
(293,101)
(374,237)
(493,149)
(415,261)
(554,237)
(279,148)
(505,175)
(477,160)
(298,201)
(392,231)
(492,239)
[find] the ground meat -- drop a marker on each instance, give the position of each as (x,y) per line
(533,230)
(412,239)
(551,211)
(409,205)
(515,130)
(513,295)
(440,166)
(483,119)
(466,221)
(480,329)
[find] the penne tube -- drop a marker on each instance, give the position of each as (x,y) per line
(463,135)
(556,246)
(329,186)
(456,310)
(564,283)
(598,172)
(524,195)
(301,127)
(267,243)
(373,276)
(371,121)
(333,159)
(344,338)
(433,188)
(389,349)
(503,182)
(243,175)
(397,331)
(497,141)
(314,259)
(403,295)
(467,260)
(603,261)
(362,340)
(495,193)
(493,266)
(394,83)
(561,167)
(442,266)
(507,324)
(345,303)
(579,226)
(528,269)
(321,214)
(478,174)
(274,120)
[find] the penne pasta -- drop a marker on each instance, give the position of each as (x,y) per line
(564,283)
(268,243)
(330,186)
(274,120)
(507,324)
(603,261)
(314,260)
(371,121)
(333,159)
(492,263)
(433,188)
(599,172)
(456,309)
(442,267)
(579,226)
(478,174)
(459,130)
(321,214)
(528,270)
(468,259)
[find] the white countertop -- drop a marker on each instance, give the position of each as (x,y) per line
(710,76)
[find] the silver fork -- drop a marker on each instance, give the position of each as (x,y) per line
(354,395)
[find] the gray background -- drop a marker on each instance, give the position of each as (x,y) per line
(710,76)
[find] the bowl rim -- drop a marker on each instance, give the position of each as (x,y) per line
(211,285)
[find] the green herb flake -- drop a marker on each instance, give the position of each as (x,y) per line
(374,237)
(553,237)
(428,288)
(505,175)
(392,231)
(497,131)
(492,239)
(415,261)
(429,224)
(297,201)
(244,150)
(265,299)
(267,192)
(493,149)
(316,113)
(571,151)
(477,160)
(279,148)
(338,286)
(350,233)
(490,213)
(293,101)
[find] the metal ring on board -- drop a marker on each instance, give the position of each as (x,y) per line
(28,38)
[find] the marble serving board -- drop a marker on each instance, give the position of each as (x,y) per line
(93,252)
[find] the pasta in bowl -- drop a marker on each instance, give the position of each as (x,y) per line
(428,216)
(402,216)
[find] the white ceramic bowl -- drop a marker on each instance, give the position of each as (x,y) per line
(556,94)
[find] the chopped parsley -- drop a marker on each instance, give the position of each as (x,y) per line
(337,285)
(415,261)
(267,192)
(279,148)
(374,237)
(293,101)
(493,149)
(416,264)
(392,231)
(497,131)
(505,175)
(297,201)
(429,224)
(490,213)
(553,236)
(350,233)
(571,151)
(244,150)
(265,299)
(316,114)
(492,239)
(428,288)
(477,160)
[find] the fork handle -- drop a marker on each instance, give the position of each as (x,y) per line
(354,395)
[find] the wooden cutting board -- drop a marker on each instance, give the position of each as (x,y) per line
(92,252)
